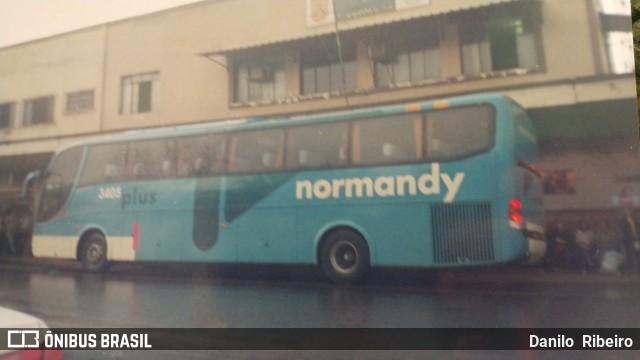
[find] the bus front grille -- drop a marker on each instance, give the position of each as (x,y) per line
(462,233)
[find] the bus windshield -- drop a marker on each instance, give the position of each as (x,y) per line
(59,183)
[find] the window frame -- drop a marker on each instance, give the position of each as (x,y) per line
(404,59)
(30,106)
(131,102)
(258,80)
(478,38)
(314,61)
(80,102)
(397,55)
(8,108)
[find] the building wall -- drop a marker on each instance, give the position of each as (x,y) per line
(51,67)
(191,88)
(196,88)
(599,179)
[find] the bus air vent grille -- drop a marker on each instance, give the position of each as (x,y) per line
(462,233)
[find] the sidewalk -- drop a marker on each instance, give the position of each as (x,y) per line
(527,274)
(36,263)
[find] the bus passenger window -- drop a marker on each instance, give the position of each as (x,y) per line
(201,155)
(104,164)
(151,160)
(317,146)
(256,151)
(385,140)
(459,132)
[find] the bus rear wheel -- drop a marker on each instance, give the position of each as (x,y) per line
(344,257)
(93,253)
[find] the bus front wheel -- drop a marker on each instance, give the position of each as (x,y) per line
(93,253)
(344,257)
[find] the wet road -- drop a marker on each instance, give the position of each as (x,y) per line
(155,295)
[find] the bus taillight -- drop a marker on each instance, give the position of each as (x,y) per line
(515,213)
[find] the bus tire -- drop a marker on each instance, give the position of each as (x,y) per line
(93,253)
(344,257)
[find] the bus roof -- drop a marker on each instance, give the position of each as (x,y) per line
(263,122)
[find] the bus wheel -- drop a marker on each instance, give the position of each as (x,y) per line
(344,257)
(93,253)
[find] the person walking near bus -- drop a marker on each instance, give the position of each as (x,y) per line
(10,225)
(630,239)
(585,241)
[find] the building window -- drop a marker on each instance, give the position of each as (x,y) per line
(80,101)
(38,111)
(140,93)
(411,57)
(259,80)
(501,42)
(614,19)
(323,72)
(7,112)
(621,56)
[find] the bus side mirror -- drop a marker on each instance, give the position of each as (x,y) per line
(29,179)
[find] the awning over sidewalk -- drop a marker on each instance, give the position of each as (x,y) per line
(593,125)
(433,9)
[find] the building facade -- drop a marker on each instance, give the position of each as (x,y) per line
(222,59)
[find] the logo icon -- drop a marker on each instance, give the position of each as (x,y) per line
(21,339)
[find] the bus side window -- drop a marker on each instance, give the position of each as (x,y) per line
(152,160)
(256,151)
(317,146)
(203,155)
(457,133)
(385,140)
(104,164)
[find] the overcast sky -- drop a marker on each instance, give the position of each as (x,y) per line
(25,20)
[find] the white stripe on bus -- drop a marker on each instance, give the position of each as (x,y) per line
(64,247)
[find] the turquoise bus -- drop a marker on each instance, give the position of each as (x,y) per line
(436,184)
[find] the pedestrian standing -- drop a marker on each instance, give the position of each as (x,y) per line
(630,239)
(585,239)
(555,246)
(10,224)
